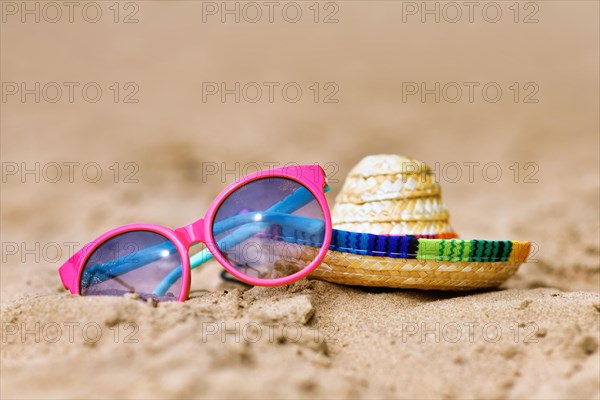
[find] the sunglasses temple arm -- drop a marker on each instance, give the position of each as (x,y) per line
(200,258)
(297,222)
(172,277)
(290,203)
(127,263)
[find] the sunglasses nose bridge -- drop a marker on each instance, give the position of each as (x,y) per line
(192,233)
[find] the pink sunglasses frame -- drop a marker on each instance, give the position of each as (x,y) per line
(310,176)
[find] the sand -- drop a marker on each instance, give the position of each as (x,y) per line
(536,336)
(309,339)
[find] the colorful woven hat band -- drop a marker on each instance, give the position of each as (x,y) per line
(427,247)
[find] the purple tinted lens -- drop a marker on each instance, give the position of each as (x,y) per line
(132,262)
(270,228)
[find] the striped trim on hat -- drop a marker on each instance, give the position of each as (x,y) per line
(417,247)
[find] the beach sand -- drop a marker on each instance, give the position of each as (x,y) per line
(535,337)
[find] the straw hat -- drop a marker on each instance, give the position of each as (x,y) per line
(391,228)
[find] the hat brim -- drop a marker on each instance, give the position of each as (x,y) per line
(480,264)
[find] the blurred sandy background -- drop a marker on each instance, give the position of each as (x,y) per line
(171,139)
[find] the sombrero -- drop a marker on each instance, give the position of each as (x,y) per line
(392,229)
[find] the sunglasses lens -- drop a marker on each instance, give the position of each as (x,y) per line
(270,228)
(132,262)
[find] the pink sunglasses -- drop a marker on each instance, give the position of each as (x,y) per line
(269,228)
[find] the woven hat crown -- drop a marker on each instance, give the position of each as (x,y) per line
(391,194)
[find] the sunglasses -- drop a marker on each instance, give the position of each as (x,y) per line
(269,228)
